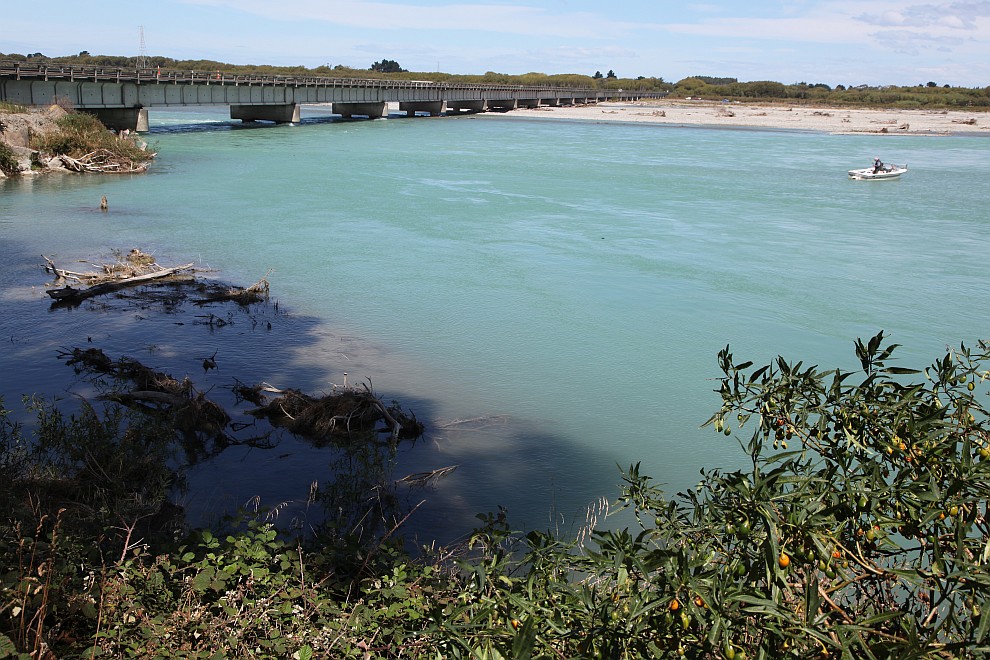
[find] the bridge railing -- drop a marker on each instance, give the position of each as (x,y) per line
(28,70)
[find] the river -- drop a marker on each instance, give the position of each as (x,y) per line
(566,284)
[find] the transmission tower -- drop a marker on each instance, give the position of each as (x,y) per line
(142,61)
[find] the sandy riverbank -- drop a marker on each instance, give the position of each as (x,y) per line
(787,117)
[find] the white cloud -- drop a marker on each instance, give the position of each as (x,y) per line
(951,15)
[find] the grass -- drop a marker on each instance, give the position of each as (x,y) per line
(8,107)
(78,134)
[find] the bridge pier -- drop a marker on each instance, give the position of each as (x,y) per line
(469,106)
(280,114)
(374,110)
(131,119)
(435,108)
(503,105)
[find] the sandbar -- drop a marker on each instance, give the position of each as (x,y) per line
(883,121)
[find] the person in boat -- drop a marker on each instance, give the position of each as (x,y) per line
(877,165)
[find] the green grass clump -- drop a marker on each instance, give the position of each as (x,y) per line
(7,106)
(78,134)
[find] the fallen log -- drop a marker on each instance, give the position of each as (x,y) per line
(69,294)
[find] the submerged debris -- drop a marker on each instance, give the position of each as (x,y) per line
(337,415)
(255,293)
(188,410)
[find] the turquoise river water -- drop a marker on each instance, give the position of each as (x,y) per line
(548,297)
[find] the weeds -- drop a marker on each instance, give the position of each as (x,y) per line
(78,134)
(8,107)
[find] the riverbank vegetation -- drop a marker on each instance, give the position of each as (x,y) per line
(58,138)
(857,528)
(924,94)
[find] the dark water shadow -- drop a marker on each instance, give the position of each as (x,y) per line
(498,460)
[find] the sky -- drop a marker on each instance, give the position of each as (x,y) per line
(862,42)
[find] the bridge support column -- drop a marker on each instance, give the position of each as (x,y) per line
(435,108)
(131,119)
(369,110)
(469,106)
(553,103)
(280,114)
(502,105)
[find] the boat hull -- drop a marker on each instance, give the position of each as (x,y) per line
(867,174)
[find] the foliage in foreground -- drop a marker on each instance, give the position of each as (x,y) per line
(857,528)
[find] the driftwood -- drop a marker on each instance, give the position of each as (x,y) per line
(103,161)
(69,294)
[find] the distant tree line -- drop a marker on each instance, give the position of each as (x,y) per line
(929,94)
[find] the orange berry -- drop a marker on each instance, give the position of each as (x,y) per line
(674,605)
(783,561)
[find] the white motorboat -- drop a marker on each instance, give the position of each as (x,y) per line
(890,171)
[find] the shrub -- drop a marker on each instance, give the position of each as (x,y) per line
(8,159)
(78,134)
(856,528)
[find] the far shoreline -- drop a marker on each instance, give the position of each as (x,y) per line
(764,116)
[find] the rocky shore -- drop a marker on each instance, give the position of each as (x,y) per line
(16,130)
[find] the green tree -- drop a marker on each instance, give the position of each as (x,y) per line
(386,66)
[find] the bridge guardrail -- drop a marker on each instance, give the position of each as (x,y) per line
(22,70)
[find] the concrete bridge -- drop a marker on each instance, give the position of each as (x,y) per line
(121,97)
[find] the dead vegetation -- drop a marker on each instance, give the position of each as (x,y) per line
(335,416)
(346,415)
(131,269)
(103,161)
(255,293)
(349,418)
(189,411)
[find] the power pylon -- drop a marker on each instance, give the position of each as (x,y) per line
(142,61)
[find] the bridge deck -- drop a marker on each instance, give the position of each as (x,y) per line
(116,94)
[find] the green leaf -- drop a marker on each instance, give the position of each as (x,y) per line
(7,648)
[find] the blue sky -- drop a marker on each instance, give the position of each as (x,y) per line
(872,42)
